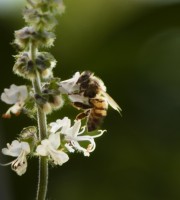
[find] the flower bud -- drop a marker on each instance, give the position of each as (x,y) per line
(24,66)
(40,20)
(29,135)
(56,102)
(45,62)
(51,91)
(28,132)
(40,100)
(39,38)
(43,103)
(56,7)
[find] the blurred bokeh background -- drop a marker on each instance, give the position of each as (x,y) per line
(134,46)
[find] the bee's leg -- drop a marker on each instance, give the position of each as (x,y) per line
(82,115)
(82,105)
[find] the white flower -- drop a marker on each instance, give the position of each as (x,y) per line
(72,89)
(49,147)
(79,98)
(73,135)
(69,86)
(69,147)
(19,150)
(62,124)
(14,95)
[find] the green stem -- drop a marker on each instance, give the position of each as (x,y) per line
(42,130)
(42,179)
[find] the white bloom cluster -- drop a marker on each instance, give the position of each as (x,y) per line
(63,138)
(73,135)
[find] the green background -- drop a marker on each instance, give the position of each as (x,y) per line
(134,46)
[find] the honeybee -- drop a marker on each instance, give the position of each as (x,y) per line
(95,100)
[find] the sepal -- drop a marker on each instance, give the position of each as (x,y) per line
(39,38)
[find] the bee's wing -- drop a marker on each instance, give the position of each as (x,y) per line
(111,102)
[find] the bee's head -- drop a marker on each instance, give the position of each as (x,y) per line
(84,77)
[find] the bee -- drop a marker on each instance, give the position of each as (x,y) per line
(93,100)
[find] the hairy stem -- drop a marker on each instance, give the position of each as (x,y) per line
(42,179)
(42,130)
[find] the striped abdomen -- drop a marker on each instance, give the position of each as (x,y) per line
(97,113)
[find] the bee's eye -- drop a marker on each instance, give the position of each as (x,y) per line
(83,78)
(84,85)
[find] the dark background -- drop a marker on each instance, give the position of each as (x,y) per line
(134,46)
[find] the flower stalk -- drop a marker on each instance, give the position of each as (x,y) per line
(42,132)
(42,179)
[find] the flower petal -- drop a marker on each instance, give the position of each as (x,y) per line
(80,148)
(14,94)
(12,150)
(78,98)
(54,127)
(59,157)
(54,140)
(69,148)
(69,86)
(25,146)
(19,166)
(62,124)
(41,150)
